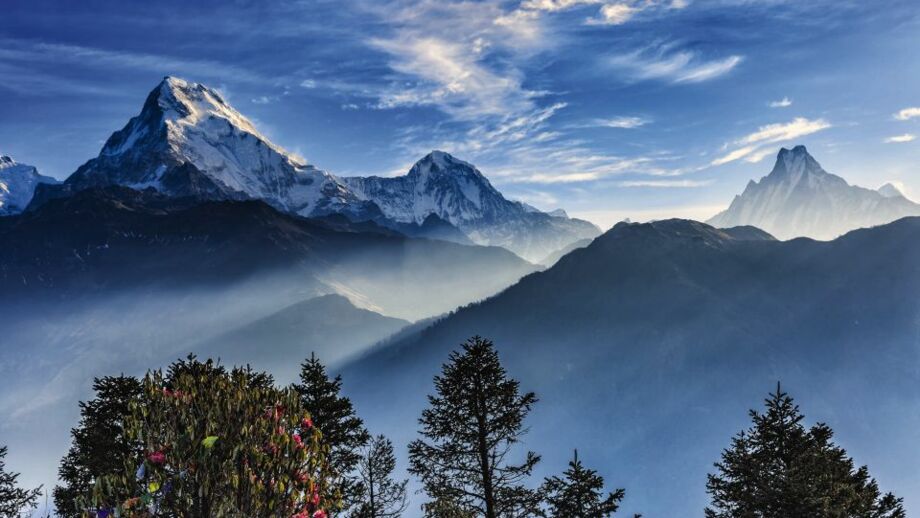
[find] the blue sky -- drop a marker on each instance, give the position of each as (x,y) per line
(608,108)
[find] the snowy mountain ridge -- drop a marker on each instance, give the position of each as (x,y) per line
(457,192)
(17,185)
(187,141)
(799,198)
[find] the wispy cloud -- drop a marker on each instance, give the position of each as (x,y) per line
(785,102)
(752,147)
(447,74)
(556,5)
(907,113)
(676,66)
(623,122)
(106,58)
(899,139)
(665,184)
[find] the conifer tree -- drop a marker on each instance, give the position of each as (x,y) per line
(780,469)
(470,429)
(381,495)
(99,446)
(14,499)
(579,494)
(343,431)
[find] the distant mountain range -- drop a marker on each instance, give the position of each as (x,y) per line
(799,198)
(17,185)
(648,346)
(188,142)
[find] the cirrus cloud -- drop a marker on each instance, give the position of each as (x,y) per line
(755,146)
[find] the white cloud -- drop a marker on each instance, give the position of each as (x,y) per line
(907,137)
(308,83)
(752,147)
(798,127)
(555,5)
(675,66)
(907,113)
(785,102)
(614,14)
(624,122)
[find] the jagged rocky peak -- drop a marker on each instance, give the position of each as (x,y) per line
(439,162)
(794,163)
(799,198)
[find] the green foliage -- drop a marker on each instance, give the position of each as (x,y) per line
(579,494)
(14,499)
(99,445)
(218,443)
(381,496)
(470,427)
(343,431)
(780,469)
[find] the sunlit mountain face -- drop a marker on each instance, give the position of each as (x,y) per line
(655,211)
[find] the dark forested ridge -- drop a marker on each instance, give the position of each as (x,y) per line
(647,344)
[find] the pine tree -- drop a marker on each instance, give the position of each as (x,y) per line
(99,446)
(14,499)
(780,469)
(381,496)
(342,430)
(579,494)
(470,428)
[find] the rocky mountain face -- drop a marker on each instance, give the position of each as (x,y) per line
(187,141)
(17,185)
(649,345)
(799,198)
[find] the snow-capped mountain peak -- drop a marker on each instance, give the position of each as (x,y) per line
(188,140)
(17,185)
(457,192)
(800,198)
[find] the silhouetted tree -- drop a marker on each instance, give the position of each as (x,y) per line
(14,499)
(381,495)
(780,469)
(470,427)
(99,445)
(579,494)
(342,430)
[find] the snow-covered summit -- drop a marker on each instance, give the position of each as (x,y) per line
(17,185)
(188,141)
(457,192)
(800,198)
